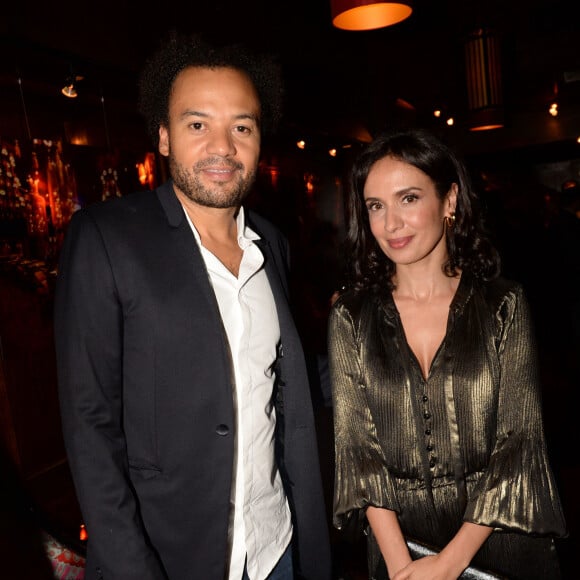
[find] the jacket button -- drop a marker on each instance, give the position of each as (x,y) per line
(222,429)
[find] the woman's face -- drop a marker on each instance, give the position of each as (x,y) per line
(405,213)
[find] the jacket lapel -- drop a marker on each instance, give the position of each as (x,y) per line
(185,246)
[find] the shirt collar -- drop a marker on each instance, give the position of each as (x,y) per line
(245,234)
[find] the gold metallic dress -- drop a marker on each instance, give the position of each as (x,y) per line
(464,444)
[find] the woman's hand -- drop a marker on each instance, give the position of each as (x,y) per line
(429,568)
(452,560)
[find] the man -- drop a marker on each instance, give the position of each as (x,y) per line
(185,403)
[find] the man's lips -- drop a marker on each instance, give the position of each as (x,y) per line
(219,173)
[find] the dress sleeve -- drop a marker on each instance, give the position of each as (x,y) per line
(361,475)
(518,490)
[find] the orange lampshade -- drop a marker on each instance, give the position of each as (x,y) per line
(368,14)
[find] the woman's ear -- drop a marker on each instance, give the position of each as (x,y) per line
(452,198)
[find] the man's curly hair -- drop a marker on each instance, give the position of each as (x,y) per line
(183,51)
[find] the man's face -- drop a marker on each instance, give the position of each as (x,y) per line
(213,137)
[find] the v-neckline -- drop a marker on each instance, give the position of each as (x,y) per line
(460,298)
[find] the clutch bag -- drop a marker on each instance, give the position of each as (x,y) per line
(419,549)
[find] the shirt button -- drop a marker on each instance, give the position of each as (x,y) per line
(427,431)
(427,415)
(432,463)
(429,447)
(222,429)
(425,398)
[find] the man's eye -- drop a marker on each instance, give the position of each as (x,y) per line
(196,125)
(243,129)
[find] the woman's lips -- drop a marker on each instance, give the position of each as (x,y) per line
(398,243)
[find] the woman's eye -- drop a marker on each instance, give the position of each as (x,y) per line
(409,198)
(196,126)
(373,206)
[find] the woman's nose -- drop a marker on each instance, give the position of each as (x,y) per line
(393,220)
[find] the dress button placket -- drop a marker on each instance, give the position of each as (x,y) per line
(427,417)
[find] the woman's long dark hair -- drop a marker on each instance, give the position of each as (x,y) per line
(468,245)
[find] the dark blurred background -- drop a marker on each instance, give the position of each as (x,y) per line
(58,154)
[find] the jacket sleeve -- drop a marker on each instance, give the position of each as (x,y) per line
(518,490)
(88,321)
(361,475)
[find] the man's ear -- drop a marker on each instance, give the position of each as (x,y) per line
(163,141)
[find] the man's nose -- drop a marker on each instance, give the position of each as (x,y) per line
(221,143)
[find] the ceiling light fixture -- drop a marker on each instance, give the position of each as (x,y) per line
(70,90)
(368,14)
(70,86)
(484,80)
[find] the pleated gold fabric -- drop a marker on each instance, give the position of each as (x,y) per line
(466,443)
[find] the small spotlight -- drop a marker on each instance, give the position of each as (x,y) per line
(553,110)
(69,90)
(70,86)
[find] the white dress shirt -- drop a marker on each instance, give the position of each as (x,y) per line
(262,527)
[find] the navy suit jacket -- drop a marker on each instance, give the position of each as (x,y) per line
(146,393)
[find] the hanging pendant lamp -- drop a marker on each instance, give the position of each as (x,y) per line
(368,14)
(484,80)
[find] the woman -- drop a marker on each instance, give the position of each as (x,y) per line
(438,423)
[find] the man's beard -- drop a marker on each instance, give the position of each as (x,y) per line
(222,195)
